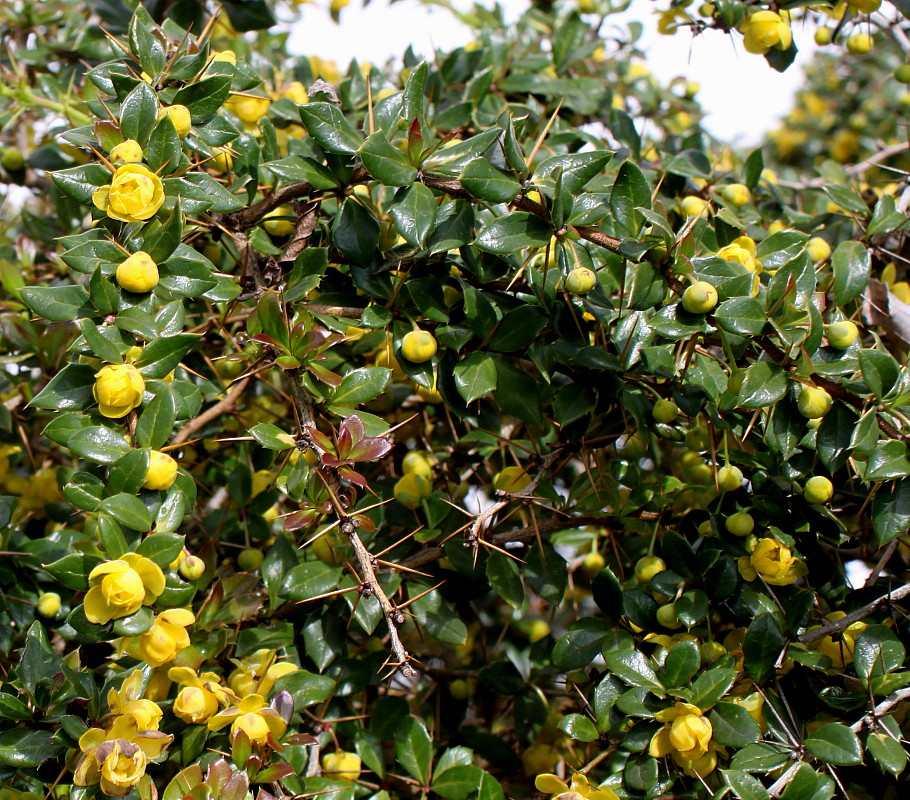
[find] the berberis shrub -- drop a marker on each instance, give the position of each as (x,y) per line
(473,430)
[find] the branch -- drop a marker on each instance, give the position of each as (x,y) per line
(393,615)
(223,406)
(516,535)
(861,613)
(880,710)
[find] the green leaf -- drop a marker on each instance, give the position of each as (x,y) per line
(79,183)
(458,782)
(475,376)
(156,423)
(887,460)
(162,356)
(138,113)
(23,748)
(387,164)
(361,385)
(144,44)
(762,646)
(877,652)
(164,241)
(328,126)
(135,624)
(710,686)
(414,749)
(412,99)
(203,98)
(414,212)
(630,192)
(306,688)
(57,303)
(850,264)
(437,618)
(73,570)
(764,384)
(578,727)
(310,579)
(272,437)
(880,371)
(733,725)
(301,168)
(128,510)
(834,743)
(127,473)
(355,232)
(39,662)
(487,182)
(744,786)
(581,645)
(633,667)
(681,664)
(886,748)
(505,579)
(513,232)
(98,444)
(890,510)
(162,548)
(743,316)
(577,169)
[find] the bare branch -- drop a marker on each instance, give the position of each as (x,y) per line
(223,406)
(871,719)
(854,616)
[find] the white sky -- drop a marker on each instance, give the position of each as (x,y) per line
(741,94)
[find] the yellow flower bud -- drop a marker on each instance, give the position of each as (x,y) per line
(249,109)
(736,194)
(195,704)
(125,152)
(180,116)
(161,473)
(49,604)
(134,194)
(118,389)
(341,766)
(138,274)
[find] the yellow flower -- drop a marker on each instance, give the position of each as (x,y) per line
(161,473)
(118,389)
(342,766)
(580,786)
(296,91)
(764,30)
(772,561)
(754,704)
(256,674)
(686,735)
(167,637)
(200,696)
(252,716)
(180,116)
(122,766)
(109,756)
(127,151)
(740,255)
(248,108)
(121,587)
(134,194)
(159,685)
(139,273)
(227,56)
(128,701)
(839,650)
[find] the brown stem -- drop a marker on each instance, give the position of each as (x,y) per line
(223,406)
(861,613)
(880,710)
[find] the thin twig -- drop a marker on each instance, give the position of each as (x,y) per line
(861,613)
(223,406)
(880,710)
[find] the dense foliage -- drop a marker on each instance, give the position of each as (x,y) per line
(470,427)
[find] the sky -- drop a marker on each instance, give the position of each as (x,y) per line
(742,95)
